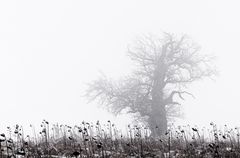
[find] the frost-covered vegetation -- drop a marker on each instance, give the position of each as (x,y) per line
(105,140)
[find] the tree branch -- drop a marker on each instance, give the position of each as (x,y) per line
(169,100)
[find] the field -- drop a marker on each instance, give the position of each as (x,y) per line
(105,140)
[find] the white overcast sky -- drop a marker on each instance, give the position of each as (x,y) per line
(49,49)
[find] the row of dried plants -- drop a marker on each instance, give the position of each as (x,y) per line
(94,140)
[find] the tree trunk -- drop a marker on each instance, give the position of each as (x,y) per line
(158,117)
(158,121)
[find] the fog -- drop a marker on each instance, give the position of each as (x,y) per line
(49,50)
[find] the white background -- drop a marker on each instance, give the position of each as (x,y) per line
(50,49)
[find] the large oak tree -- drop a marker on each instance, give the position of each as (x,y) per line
(164,68)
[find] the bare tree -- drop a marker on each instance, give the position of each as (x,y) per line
(164,68)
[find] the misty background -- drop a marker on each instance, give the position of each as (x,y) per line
(49,50)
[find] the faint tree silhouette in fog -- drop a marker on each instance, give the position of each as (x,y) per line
(164,68)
